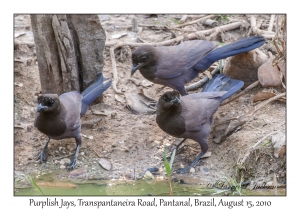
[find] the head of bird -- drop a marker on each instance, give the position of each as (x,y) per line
(47,102)
(143,56)
(169,99)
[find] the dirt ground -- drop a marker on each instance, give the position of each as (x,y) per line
(132,143)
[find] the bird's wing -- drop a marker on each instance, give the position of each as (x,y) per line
(174,61)
(198,108)
(72,104)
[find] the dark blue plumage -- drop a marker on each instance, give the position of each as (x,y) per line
(94,91)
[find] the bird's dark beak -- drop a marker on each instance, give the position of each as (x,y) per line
(176,101)
(41,107)
(135,67)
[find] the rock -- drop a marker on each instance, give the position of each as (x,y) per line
(192,170)
(278,142)
(245,66)
(65,161)
(62,167)
(268,75)
(148,175)
(105,164)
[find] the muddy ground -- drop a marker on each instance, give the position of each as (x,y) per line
(134,142)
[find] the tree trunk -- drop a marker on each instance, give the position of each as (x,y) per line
(69,51)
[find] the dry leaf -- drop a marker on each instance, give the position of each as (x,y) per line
(139,103)
(263,96)
(268,75)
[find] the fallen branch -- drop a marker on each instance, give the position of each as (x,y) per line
(139,34)
(271,24)
(183,18)
(194,35)
(193,22)
(256,30)
(250,87)
(114,68)
(93,150)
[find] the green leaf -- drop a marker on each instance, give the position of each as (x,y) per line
(28,177)
(172,158)
(167,165)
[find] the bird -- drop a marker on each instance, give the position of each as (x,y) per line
(191,116)
(58,117)
(174,66)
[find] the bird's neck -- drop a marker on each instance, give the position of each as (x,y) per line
(52,122)
(170,120)
(148,72)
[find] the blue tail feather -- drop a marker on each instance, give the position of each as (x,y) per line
(223,82)
(94,91)
(240,46)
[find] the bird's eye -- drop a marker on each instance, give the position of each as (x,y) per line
(144,58)
(165,98)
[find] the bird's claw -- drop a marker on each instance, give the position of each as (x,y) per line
(42,156)
(72,164)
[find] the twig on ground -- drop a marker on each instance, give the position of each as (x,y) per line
(193,22)
(256,30)
(94,150)
(271,24)
(190,36)
(183,18)
(114,68)
(139,34)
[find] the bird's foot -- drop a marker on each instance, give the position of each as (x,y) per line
(72,164)
(188,168)
(42,156)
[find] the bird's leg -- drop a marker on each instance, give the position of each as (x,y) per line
(73,162)
(204,148)
(193,164)
(43,154)
(177,149)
